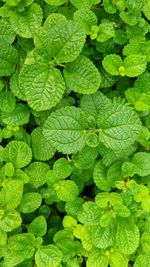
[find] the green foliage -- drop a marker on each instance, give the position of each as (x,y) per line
(74,133)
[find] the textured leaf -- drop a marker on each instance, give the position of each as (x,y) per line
(100,176)
(66,190)
(48,255)
(106,31)
(85,158)
(86,18)
(11,193)
(55,2)
(89,214)
(19,153)
(65,130)
(96,259)
(27,23)
(112,63)
(146,11)
(30,202)
(19,248)
(120,126)
(142,161)
(41,147)
(38,226)
(7,101)
(7,35)
(104,237)
(134,65)
(127,236)
(19,116)
(117,259)
(142,261)
(37,172)
(8,59)
(62,39)
(10,221)
(43,87)
(82,76)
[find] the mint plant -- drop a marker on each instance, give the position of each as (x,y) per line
(74,133)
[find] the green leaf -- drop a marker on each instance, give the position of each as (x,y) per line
(62,39)
(48,255)
(38,226)
(117,259)
(86,18)
(112,64)
(37,172)
(43,86)
(142,160)
(11,193)
(66,190)
(145,204)
(146,11)
(89,214)
(19,116)
(19,248)
(41,147)
(127,236)
(7,101)
(65,130)
(19,153)
(8,59)
(62,168)
(3,238)
(119,126)
(134,65)
(96,259)
(142,260)
(122,210)
(27,23)
(7,35)
(104,237)
(30,202)
(10,220)
(82,76)
(106,31)
(100,176)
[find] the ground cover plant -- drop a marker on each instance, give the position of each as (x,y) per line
(75,119)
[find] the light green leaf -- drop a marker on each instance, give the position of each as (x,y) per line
(104,237)
(146,11)
(66,190)
(3,238)
(10,220)
(37,172)
(62,168)
(27,23)
(19,248)
(19,116)
(122,210)
(102,199)
(134,65)
(127,236)
(142,261)
(89,214)
(43,86)
(41,147)
(7,101)
(8,59)
(19,153)
(65,130)
(11,193)
(7,35)
(112,63)
(62,39)
(48,255)
(96,259)
(100,176)
(30,202)
(86,18)
(85,158)
(145,204)
(38,226)
(142,161)
(119,126)
(82,76)
(106,31)
(117,259)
